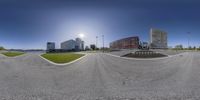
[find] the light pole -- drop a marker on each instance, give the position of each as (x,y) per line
(188,39)
(96,41)
(103,42)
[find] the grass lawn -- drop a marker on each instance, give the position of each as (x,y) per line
(12,54)
(61,57)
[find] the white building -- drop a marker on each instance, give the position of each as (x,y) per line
(80,44)
(50,45)
(158,39)
(77,45)
(68,45)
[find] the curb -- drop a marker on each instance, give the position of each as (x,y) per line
(64,64)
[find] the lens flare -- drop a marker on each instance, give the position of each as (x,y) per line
(81,35)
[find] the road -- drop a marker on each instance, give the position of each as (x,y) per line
(101,77)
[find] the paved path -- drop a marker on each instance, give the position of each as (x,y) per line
(101,77)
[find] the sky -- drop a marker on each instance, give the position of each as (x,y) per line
(29,24)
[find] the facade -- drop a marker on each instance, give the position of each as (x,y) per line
(126,43)
(158,39)
(68,45)
(80,44)
(50,45)
(76,45)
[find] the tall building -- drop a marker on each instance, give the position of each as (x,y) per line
(126,43)
(68,45)
(80,44)
(77,45)
(158,39)
(50,45)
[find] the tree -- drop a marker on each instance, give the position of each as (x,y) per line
(2,48)
(179,47)
(93,47)
(194,47)
(190,48)
(198,48)
(87,48)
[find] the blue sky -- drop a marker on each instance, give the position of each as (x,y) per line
(29,24)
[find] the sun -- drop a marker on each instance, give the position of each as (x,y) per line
(81,35)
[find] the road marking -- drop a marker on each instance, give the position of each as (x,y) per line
(64,64)
(169,56)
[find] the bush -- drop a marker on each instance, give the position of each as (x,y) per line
(2,48)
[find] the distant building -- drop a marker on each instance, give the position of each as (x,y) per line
(93,46)
(158,39)
(126,43)
(76,45)
(50,45)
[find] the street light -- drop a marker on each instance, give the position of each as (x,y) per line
(188,39)
(103,42)
(96,41)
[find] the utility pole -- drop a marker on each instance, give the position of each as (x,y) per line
(103,42)
(96,41)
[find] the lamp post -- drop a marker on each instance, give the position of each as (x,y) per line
(188,39)
(96,41)
(103,42)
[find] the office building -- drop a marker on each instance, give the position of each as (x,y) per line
(126,43)
(76,45)
(50,45)
(158,39)
(68,45)
(79,44)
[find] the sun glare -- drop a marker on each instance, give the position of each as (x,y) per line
(81,35)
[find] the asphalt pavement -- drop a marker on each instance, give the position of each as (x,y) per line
(101,77)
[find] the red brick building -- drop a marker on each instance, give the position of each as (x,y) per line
(125,43)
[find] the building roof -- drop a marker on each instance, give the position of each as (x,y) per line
(68,41)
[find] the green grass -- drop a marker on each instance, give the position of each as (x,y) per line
(12,54)
(62,57)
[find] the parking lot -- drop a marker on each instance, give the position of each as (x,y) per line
(101,77)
